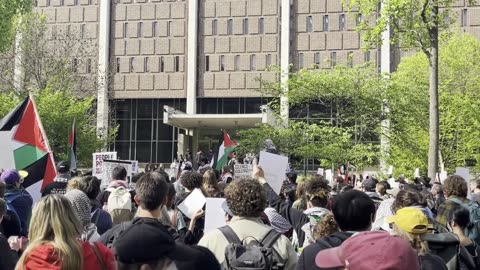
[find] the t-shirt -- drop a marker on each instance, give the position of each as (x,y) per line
(476,197)
(55,188)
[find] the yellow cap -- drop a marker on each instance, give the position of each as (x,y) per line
(410,219)
(23,174)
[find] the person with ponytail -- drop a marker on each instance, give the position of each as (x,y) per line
(54,240)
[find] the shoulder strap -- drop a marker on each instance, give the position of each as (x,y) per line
(270,238)
(97,217)
(324,244)
(455,200)
(101,263)
(231,236)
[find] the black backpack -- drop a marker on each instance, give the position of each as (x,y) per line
(251,257)
(446,246)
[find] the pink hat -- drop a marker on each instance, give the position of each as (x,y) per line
(370,250)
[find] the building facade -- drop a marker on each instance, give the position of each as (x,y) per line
(205,57)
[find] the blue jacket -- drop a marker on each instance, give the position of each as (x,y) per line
(23,206)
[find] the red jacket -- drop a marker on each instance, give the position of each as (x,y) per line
(44,257)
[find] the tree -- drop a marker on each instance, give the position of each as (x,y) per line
(334,116)
(10,10)
(413,24)
(460,100)
(57,109)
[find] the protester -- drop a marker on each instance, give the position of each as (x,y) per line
(381,190)
(10,224)
(226,175)
(475,190)
(438,197)
(246,200)
(300,203)
(147,245)
(90,185)
(9,256)
(353,211)
(385,210)
(59,185)
(327,226)
(368,186)
(370,250)
(54,233)
(459,220)
(119,179)
(81,205)
(277,222)
(455,189)
(411,224)
(203,166)
(19,199)
(210,184)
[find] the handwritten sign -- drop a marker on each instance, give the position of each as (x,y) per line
(98,161)
(242,170)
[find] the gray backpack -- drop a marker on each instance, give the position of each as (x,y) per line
(262,256)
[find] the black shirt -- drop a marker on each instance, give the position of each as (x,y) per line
(55,188)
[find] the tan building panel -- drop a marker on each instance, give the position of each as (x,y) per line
(253,44)
(222,45)
(91,31)
(146,82)
(223,9)
(161,82)
(118,29)
(154,64)
(245,62)
(148,12)
(334,41)
(209,45)
(91,14)
(169,64)
(69,2)
(163,11)
(176,81)
(133,46)
(214,63)
(238,8)
(317,22)
(124,65)
(120,12)
(162,28)
(222,81)
(178,28)
(131,82)
(147,46)
(208,81)
(63,15)
(237,80)
(208,9)
(178,10)
(206,27)
(177,46)
(55,3)
(317,41)
(148,29)
(162,46)
(229,62)
(302,24)
(318,6)
(254,7)
(238,44)
(118,82)
(270,7)
(271,25)
(334,6)
(474,16)
(252,81)
(238,26)
(303,41)
(303,6)
(133,12)
(269,44)
(351,41)
(49,14)
(76,14)
(222,26)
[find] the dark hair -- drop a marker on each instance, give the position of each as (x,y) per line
(136,177)
(461,216)
(191,180)
(290,193)
(382,187)
(151,190)
(3,207)
(217,174)
(119,173)
(292,176)
(226,168)
(90,185)
(164,174)
(171,195)
(346,188)
(455,185)
(3,187)
(353,210)
(246,198)
(137,266)
(406,198)
(316,191)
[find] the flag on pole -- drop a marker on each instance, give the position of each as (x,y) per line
(25,147)
(226,147)
(72,147)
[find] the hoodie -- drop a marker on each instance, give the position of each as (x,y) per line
(46,258)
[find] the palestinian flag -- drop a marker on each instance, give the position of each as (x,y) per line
(227,146)
(72,147)
(25,147)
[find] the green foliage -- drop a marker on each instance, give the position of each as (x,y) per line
(459,103)
(10,10)
(344,112)
(57,110)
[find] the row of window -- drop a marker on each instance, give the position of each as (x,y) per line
(154,29)
(333,59)
(253,62)
(341,22)
(62,3)
(88,65)
(261,26)
(146,64)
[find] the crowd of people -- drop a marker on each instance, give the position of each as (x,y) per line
(347,223)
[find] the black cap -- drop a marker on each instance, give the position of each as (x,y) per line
(63,167)
(147,240)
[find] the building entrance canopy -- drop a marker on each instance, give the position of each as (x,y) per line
(180,119)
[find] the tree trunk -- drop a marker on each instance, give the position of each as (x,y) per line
(433,92)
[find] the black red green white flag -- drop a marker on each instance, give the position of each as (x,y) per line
(226,147)
(24,146)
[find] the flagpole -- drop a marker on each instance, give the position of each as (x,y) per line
(40,124)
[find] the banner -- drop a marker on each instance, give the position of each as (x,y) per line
(108,165)
(98,160)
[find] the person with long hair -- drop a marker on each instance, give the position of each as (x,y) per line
(210,184)
(54,242)
(411,224)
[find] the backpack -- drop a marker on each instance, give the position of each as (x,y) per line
(472,232)
(446,246)
(120,205)
(9,198)
(262,256)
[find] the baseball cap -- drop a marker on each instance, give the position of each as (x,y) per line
(410,219)
(148,240)
(370,250)
(63,167)
(369,184)
(13,176)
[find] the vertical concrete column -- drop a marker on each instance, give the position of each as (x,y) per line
(19,72)
(285,55)
(385,67)
(192,56)
(103,67)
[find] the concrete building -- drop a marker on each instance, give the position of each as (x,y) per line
(203,60)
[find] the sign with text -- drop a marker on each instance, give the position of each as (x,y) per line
(109,165)
(98,161)
(242,170)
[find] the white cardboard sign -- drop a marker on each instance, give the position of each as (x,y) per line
(98,161)
(275,167)
(465,173)
(242,170)
(214,214)
(194,202)
(109,165)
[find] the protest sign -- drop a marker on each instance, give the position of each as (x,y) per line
(320,171)
(443,176)
(98,160)
(329,175)
(275,167)
(416,173)
(194,202)
(108,165)
(214,214)
(242,170)
(465,174)
(390,170)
